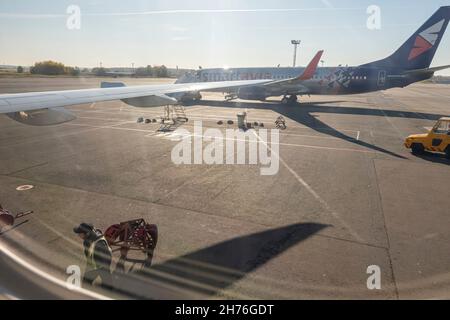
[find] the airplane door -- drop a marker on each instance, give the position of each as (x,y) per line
(381,78)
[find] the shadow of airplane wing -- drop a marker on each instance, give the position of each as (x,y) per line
(205,272)
(374,112)
(301,113)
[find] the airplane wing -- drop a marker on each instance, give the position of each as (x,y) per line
(46,108)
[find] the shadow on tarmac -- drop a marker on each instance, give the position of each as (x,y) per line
(302,113)
(434,157)
(8,229)
(205,272)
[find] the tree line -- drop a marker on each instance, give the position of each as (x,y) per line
(156,71)
(56,68)
(53,68)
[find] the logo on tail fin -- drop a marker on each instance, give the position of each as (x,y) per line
(426,40)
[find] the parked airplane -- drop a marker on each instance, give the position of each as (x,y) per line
(47,108)
(409,64)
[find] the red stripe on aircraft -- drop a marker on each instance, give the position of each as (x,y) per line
(420,46)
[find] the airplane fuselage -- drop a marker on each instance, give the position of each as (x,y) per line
(408,64)
(326,81)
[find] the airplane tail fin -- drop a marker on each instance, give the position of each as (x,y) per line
(312,67)
(418,51)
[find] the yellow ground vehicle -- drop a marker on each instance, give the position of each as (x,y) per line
(436,140)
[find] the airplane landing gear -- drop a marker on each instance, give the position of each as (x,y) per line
(289,99)
(281,123)
(191,97)
(198,97)
(230,97)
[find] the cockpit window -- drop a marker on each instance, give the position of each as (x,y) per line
(442,127)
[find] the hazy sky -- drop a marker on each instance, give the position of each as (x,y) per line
(208,33)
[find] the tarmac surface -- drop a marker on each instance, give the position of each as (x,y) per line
(347,195)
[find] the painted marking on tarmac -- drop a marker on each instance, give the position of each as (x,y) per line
(382,96)
(195,108)
(25,187)
(96,118)
(151,134)
(298,127)
(191,116)
(280,143)
(312,191)
(281,133)
(107,127)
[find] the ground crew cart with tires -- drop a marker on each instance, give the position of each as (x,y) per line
(134,235)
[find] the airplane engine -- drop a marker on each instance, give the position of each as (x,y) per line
(42,117)
(252,93)
(155,100)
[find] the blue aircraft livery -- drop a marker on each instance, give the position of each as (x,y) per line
(409,64)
